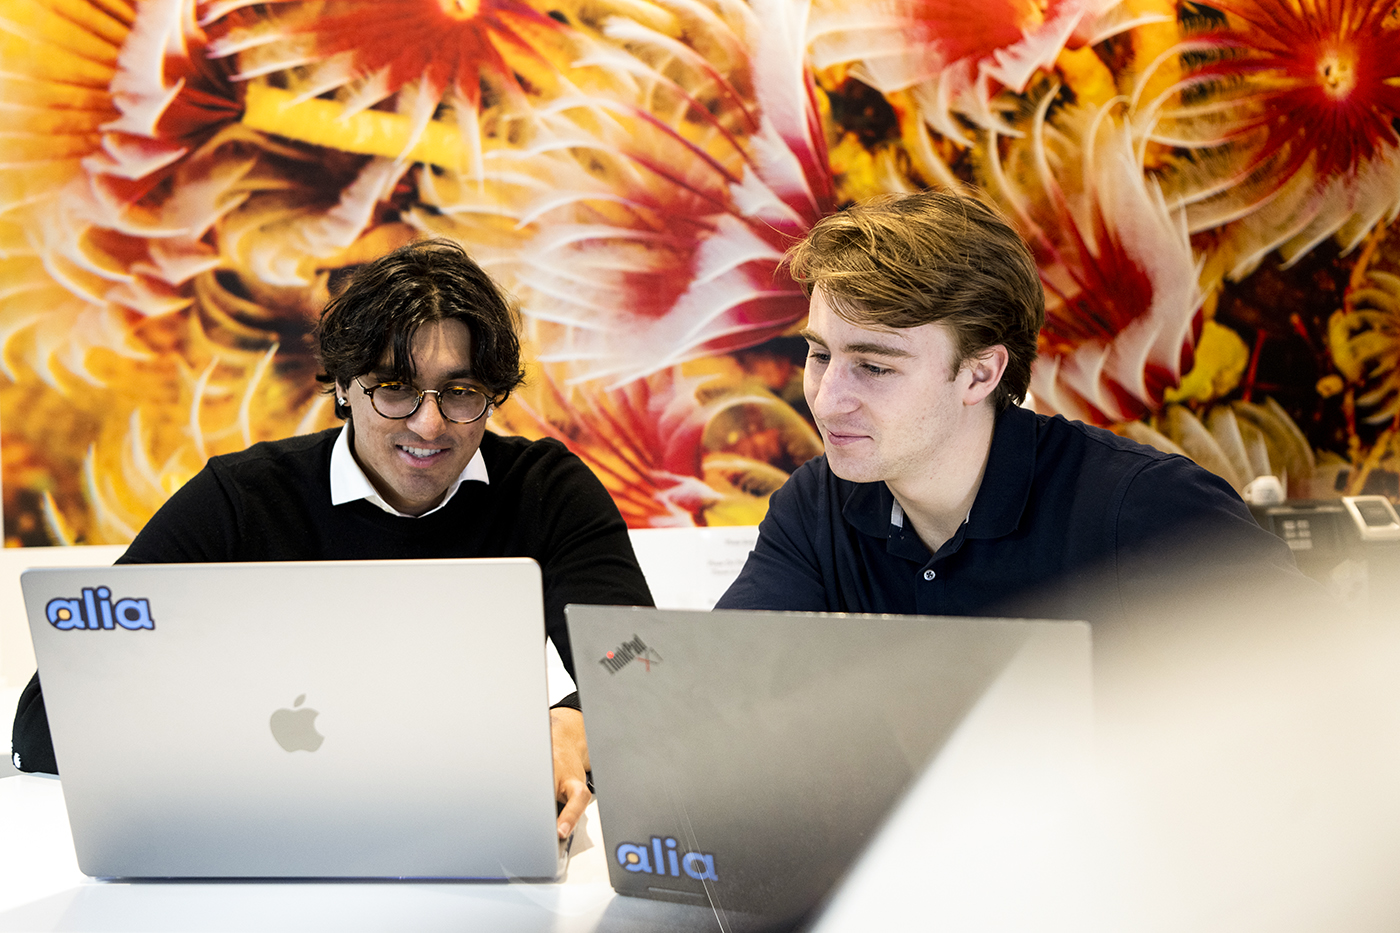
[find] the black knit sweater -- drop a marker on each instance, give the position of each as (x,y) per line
(272,502)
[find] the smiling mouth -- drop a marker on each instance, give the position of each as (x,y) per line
(420,453)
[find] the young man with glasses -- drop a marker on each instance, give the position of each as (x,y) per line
(418,349)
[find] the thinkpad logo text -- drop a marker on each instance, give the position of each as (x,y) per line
(627,652)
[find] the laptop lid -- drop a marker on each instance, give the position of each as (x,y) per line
(744,760)
(322,719)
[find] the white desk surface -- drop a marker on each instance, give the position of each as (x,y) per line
(41,888)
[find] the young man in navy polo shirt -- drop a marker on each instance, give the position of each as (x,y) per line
(937,494)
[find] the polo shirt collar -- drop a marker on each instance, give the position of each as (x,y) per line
(1000,501)
(350,484)
(870,508)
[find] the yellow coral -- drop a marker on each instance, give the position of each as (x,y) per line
(368,132)
(1221,358)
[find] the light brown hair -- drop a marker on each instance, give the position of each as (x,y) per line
(932,257)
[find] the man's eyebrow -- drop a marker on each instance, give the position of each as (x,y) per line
(870,348)
(877,349)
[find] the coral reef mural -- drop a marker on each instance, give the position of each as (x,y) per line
(1211,191)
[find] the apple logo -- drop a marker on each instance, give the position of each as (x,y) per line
(295,729)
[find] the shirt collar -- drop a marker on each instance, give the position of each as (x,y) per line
(1000,500)
(349,483)
(870,508)
(897,515)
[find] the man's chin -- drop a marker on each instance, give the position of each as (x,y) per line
(419,492)
(852,469)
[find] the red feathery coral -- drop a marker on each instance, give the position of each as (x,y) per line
(954,54)
(1121,282)
(652,230)
(1290,115)
(435,50)
(1320,77)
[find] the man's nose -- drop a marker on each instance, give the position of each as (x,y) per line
(832,393)
(428,422)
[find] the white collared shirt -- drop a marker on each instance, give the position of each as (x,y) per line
(349,482)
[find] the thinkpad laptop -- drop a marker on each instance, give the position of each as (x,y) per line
(744,760)
(320,720)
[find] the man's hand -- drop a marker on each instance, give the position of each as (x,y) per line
(570,766)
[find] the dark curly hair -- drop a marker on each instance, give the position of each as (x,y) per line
(371,323)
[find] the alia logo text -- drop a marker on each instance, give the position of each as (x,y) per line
(661,856)
(95,610)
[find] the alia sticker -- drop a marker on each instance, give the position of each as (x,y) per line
(95,610)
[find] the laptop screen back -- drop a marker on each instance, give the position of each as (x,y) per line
(356,719)
(743,760)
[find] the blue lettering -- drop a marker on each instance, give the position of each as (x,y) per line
(95,610)
(103,594)
(634,857)
(134,614)
(89,609)
(64,613)
(653,859)
(706,872)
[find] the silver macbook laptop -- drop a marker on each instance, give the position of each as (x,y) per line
(327,719)
(744,760)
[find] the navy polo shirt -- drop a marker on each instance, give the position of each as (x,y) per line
(1070,522)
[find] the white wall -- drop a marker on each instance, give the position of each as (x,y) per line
(690,568)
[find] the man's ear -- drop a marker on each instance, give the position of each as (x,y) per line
(986,369)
